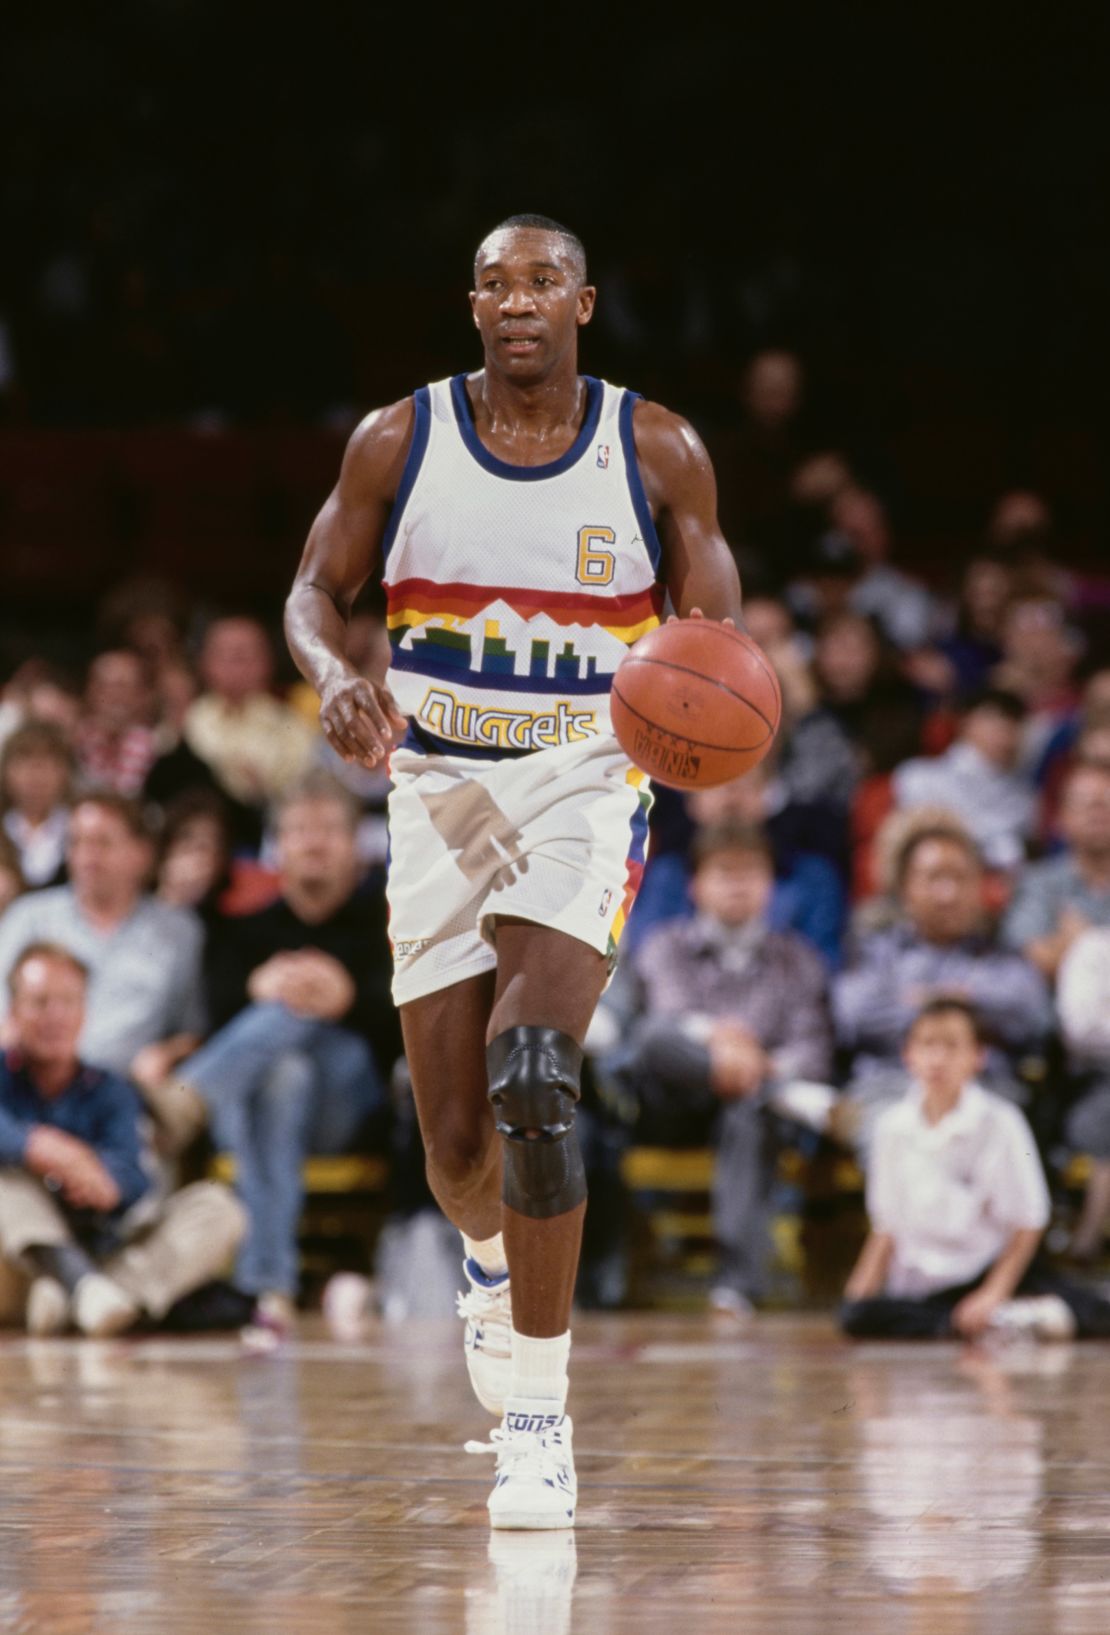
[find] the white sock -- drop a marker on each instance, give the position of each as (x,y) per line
(489,1253)
(539,1368)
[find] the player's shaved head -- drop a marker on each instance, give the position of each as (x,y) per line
(572,247)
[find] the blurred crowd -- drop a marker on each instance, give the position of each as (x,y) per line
(193,943)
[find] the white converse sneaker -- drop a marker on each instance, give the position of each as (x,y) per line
(1038,1317)
(47,1307)
(101,1308)
(536,1486)
(488,1335)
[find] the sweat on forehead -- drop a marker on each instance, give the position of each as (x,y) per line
(561,244)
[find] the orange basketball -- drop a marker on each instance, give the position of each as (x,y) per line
(695,703)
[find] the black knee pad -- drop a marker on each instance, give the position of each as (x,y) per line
(534,1083)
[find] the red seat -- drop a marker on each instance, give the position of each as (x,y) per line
(873,802)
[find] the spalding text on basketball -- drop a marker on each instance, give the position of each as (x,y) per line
(669,759)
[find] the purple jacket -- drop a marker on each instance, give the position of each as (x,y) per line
(690,973)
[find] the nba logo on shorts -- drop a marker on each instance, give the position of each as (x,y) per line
(603,906)
(603,456)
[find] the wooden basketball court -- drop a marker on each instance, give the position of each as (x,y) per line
(767,1480)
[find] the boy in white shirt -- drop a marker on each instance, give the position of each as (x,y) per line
(958,1206)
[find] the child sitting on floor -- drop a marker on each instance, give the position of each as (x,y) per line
(958,1205)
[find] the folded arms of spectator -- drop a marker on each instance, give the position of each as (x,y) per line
(72,1168)
(307,982)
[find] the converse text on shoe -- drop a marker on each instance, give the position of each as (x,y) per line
(536,1486)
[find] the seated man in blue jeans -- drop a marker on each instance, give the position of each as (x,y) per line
(713,1015)
(301,989)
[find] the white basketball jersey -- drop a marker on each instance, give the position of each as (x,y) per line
(515,591)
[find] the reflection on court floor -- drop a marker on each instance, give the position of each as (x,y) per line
(732,1480)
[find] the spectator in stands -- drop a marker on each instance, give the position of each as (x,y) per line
(808,844)
(1083,736)
(147,615)
(299,993)
(1096,691)
(12,713)
(714,1011)
(55,698)
(1017,516)
(1039,656)
(867,720)
(902,607)
(773,389)
(861,689)
(194,854)
(979,779)
(1060,897)
(145,1002)
(819,479)
(12,883)
(36,775)
(40,692)
(958,1206)
(1023,530)
(114,740)
(974,648)
(819,765)
(81,1240)
(1093,744)
(822,588)
(178,689)
(179,774)
(755,458)
(255,745)
(941,946)
(1083,1005)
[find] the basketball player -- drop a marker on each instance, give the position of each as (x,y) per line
(528,521)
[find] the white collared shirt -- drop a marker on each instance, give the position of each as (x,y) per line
(42,846)
(952,1194)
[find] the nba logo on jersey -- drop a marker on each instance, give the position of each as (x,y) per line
(485,665)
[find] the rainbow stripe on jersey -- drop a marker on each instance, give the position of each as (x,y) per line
(514,592)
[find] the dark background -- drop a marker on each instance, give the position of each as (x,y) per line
(230,230)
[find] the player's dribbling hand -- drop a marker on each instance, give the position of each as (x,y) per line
(360,719)
(696,613)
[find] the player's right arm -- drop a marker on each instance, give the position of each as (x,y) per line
(358,717)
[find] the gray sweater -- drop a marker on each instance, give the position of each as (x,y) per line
(145,976)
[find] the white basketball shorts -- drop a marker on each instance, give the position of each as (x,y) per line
(557,837)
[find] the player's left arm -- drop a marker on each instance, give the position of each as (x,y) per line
(698,567)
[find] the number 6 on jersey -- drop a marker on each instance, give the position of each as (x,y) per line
(595,567)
